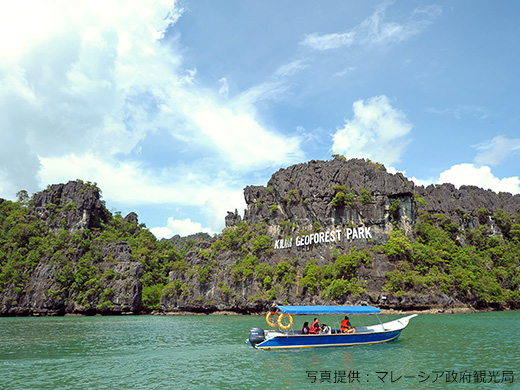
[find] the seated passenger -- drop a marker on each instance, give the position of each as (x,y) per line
(325,329)
(315,326)
(305,328)
(346,326)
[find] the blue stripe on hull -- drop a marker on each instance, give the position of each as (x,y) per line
(324,340)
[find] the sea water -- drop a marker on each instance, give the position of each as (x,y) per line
(451,351)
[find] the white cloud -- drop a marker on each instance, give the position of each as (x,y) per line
(98,80)
(130,184)
(416,181)
(224,87)
(462,111)
(21,33)
(290,68)
(82,86)
(70,73)
(127,183)
(422,182)
(218,204)
(241,140)
(469,174)
(182,227)
(377,131)
(375,30)
(270,90)
(497,150)
(328,41)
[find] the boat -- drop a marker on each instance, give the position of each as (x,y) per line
(283,335)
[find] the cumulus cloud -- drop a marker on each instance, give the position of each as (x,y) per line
(182,227)
(375,30)
(241,140)
(84,85)
(377,131)
(97,78)
(422,182)
(497,150)
(417,182)
(469,174)
(127,182)
(131,184)
(70,74)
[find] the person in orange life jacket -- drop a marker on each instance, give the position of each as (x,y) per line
(346,326)
(315,326)
(305,328)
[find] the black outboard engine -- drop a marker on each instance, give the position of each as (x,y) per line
(256,336)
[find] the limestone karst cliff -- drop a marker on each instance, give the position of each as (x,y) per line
(52,262)
(321,232)
(348,232)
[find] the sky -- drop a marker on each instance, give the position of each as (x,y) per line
(174,107)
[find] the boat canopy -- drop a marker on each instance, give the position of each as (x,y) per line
(328,309)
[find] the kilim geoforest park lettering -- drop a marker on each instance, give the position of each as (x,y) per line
(329,237)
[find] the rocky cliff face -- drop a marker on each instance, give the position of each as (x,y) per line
(469,206)
(303,194)
(73,206)
(312,212)
(69,280)
(43,295)
(313,235)
(182,243)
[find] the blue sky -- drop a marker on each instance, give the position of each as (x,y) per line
(172,108)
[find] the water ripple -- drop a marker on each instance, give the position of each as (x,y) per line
(209,352)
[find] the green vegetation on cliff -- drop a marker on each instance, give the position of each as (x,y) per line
(157,257)
(337,279)
(23,243)
(77,256)
(476,266)
(484,270)
(90,260)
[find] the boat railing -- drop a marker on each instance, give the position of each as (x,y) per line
(335,328)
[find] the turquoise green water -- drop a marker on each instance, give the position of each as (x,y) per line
(209,352)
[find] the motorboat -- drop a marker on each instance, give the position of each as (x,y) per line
(283,335)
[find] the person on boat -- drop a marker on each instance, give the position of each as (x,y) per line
(346,326)
(305,328)
(315,326)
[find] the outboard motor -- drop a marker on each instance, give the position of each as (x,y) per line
(256,336)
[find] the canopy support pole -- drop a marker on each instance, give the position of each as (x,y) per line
(379,319)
